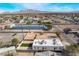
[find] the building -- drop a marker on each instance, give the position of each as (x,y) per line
(12,25)
(45,44)
(6,50)
(2,26)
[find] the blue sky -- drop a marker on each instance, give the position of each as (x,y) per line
(55,7)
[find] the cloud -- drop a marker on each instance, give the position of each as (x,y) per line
(37,6)
(47,7)
(62,8)
(66,8)
(56,8)
(1,11)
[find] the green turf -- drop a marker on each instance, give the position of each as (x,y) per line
(25,45)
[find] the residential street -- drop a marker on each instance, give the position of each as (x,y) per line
(66,38)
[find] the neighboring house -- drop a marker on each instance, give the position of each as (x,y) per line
(2,26)
(6,50)
(21,21)
(12,25)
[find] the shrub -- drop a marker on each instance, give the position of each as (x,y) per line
(14,41)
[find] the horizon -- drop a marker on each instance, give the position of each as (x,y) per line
(51,7)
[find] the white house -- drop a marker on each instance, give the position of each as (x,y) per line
(6,50)
(48,44)
(12,25)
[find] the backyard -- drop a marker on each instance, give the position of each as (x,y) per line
(26,45)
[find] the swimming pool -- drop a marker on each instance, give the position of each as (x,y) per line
(33,27)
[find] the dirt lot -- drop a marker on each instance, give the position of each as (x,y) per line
(5,37)
(25,53)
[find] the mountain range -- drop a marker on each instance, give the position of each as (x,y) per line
(34,11)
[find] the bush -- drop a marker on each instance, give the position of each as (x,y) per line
(66,30)
(14,41)
(41,33)
(0,44)
(48,27)
(39,22)
(71,50)
(29,23)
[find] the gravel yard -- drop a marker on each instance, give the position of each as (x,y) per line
(8,36)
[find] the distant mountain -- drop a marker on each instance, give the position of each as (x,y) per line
(34,11)
(5,12)
(31,11)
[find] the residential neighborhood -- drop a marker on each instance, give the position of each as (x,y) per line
(32,32)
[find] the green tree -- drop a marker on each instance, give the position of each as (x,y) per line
(39,22)
(21,17)
(71,50)
(66,30)
(29,23)
(0,43)
(49,26)
(0,21)
(14,17)
(58,34)
(14,41)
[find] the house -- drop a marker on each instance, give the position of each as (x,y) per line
(2,26)
(4,51)
(53,44)
(12,25)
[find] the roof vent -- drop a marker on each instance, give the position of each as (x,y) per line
(42,42)
(54,41)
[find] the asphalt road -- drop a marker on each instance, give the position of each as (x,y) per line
(66,38)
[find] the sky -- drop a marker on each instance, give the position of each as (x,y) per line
(55,7)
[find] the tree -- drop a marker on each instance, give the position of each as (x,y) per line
(21,17)
(66,30)
(39,21)
(49,26)
(71,50)
(14,41)
(0,43)
(29,23)
(14,17)
(0,20)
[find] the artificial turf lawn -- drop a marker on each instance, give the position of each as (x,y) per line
(26,45)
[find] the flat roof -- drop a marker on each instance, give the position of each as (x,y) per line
(75,31)
(46,42)
(2,50)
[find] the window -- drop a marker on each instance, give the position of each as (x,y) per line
(37,47)
(44,48)
(34,47)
